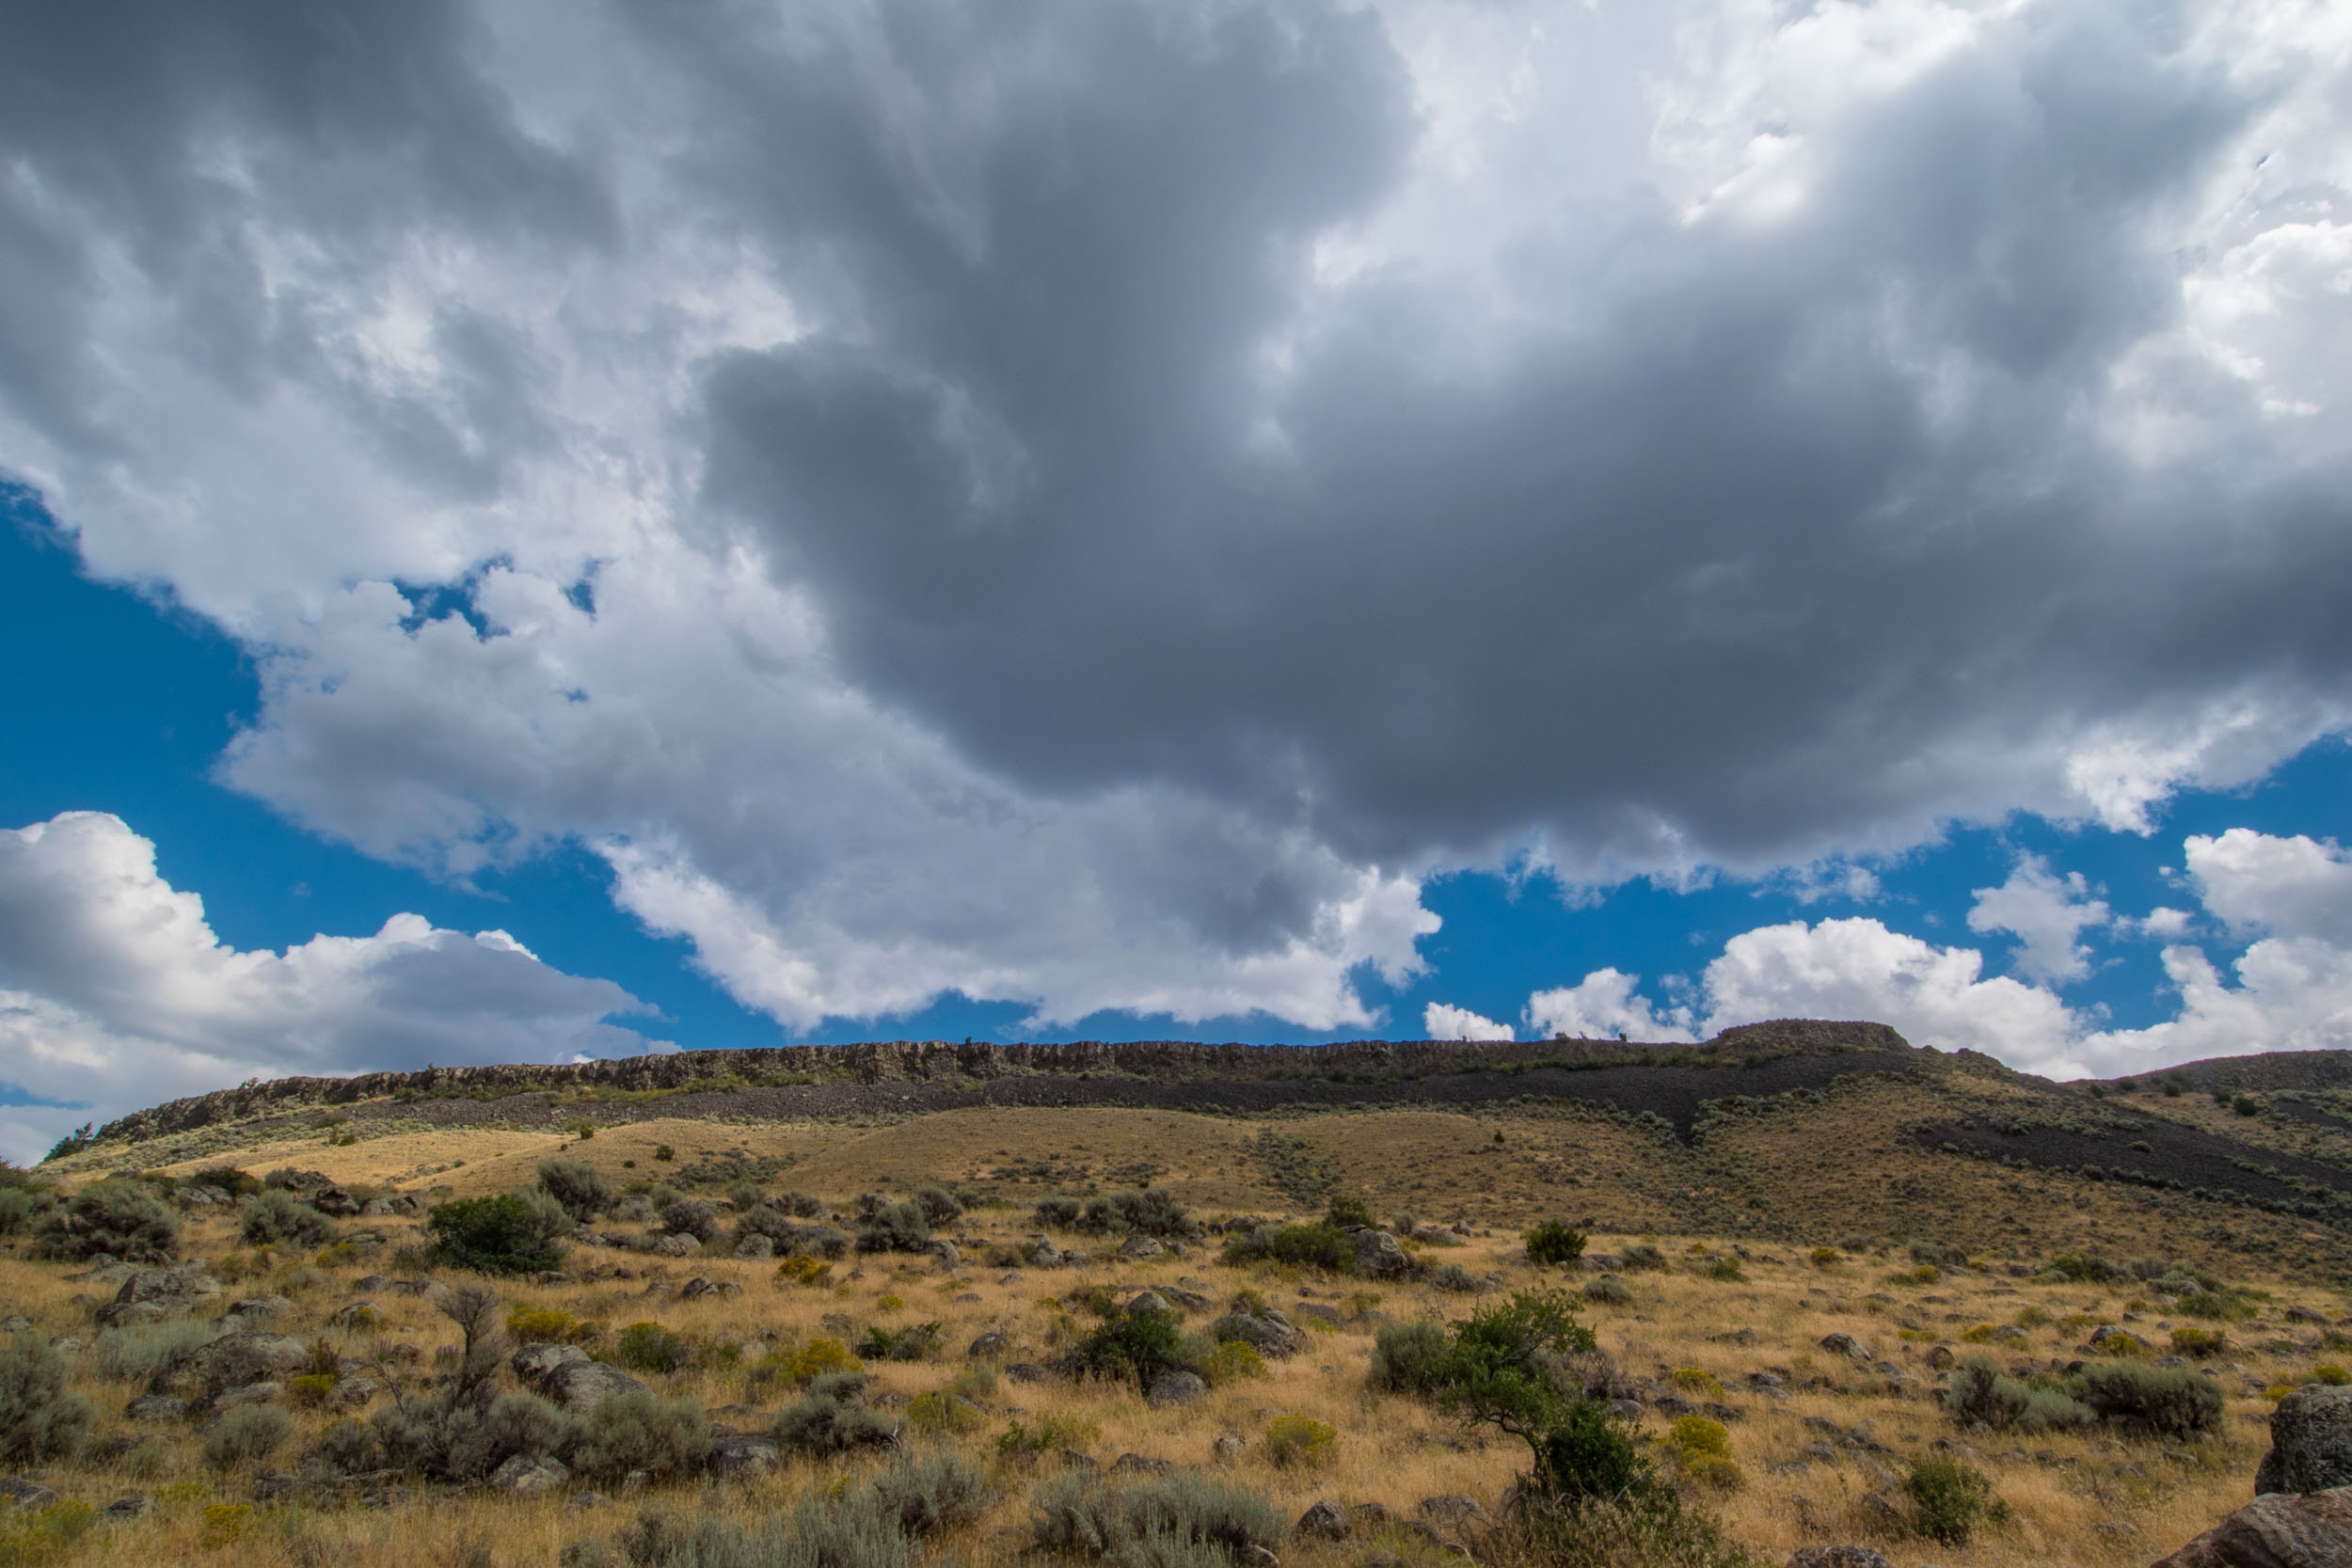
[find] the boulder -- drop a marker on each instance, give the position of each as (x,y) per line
(134,1505)
(266,1392)
(756,1245)
(582,1386)
(536,1360)
(2310,1443)
(246,1357)
(1137,1464)
(703,1286)
(1176,1387)
(1325,1521)
(988,1345)
(528,1475)
(942,1252)
(1148,1301)
(1837,1557)
(356,1314)
(1266,1332)
(1227,1449)
(1846,1346)
(1378,1255)
(744,1454)
(26,1494)
(1318,1310)
(1137,1248)
(1045,1255)
(256,1307)
(675,1246)
(331,1199)
(1453,1508)
(2282,1529)
(170,1292)
(155,1407)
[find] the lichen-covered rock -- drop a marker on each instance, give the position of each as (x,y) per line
(1846,1346)
(155,1407)
(1267,1331)
(1325,1521)
(2282,1529)
(26,1494)
(1176,1387)
(2311,1442)
(534,1361)
(151,1295)
(744,1454)
(245,1356)
(1147,1301)
(1380,1256)
(1135,1248)
(1837,1557)
(582,1386)
(988,1345)
(1453,1508)
(528,1475)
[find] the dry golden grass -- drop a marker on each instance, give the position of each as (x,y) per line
(2088,1500)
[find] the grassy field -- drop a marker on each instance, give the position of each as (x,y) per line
(1723,1310)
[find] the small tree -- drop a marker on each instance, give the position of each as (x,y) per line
(117,1217)
(278,1218)
(1553,1243)
(580,1187)
(38,1420)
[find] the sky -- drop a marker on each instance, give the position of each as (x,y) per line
(540,530)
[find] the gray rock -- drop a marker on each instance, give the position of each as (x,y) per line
(1029,1371)
(1136,1464)
(162,1292)
(355,1314)
(942,1252)
(1265,1332)
(1135,1248)
(1837,1557)
(1319,1311)
(1846,1346)
(15,1323)
(582,1386)
(2280,1530)
(1148,1301)
(132,1506)
(258,1307)
(155,1407)
(756,1245)
(353,1392)
(1226,1450)
(742,1454)
(534,1361)
(988,1345)
(1176,1387)
(703,1286)
(1325,1521)
(25,1493)
(675,1246)
(2310,1443)
(1452,1508)
(245,1356)
(250,1393)
(528,1475)
(334,1200)
(1044,1255)
(1378,1256)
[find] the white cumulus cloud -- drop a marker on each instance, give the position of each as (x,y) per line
(1441,1022)
(1604,1005)
(115,994)
(2045,912)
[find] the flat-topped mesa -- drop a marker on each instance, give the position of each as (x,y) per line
(878,1061)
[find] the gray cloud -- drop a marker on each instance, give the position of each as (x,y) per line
(1089,505)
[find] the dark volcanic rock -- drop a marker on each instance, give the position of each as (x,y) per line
(2281,1531)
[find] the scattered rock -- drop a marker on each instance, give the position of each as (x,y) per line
(2278,1530)
(1176,1387)
(258,1307)
(1846,1346)
(25,1493)
(2310,1443)
(1148,1301)
(745,1454)
(582,1386)
(1027,1372)
(702,1285)
(334,1200)
(245,1356)
(756,1245)
(1325,1521)
(1135,1248)
(1318,1310)
(527,1475)
(1265,1332)
(155,1407)
(1837,1557)
(1452,1508)
(534,1361)
(151,1295)
(250,1393)
(1226,1450)
(131,1507)
(988,1345)
(1136,1464)
(1378,1255)
(356,1314)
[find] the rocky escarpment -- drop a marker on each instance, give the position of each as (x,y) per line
(936,1061)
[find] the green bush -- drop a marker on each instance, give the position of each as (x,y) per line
(1059,1214)
(1136,1347)
(2083,1270)
(938,1203)
(887,1227)
(1405,1357)
(143,1352)
(1554,1243)
(1299,1440)
(1584,1455)
(1948,1500)
(1154,1522)
(2158,1402)
(23,1208)
(1049,1434)
(1231,1362)
(496,1235)
(930,1492)
(1980,1392)
(281,1219)
(1320,1245)
(246,1435)
(648,1347)
(2217,1306)
(1646,1525)
(2198,1344)
(638,1430)
(690,1216)
(39,1420)
(913,1342)
(1723,1270)
(1453,1278)
(1643,1257)
(1346,1212)
(1609,1290)
(1145,1214)
(120,1218)
(833,1418)
(578,1187)
(31,1536)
